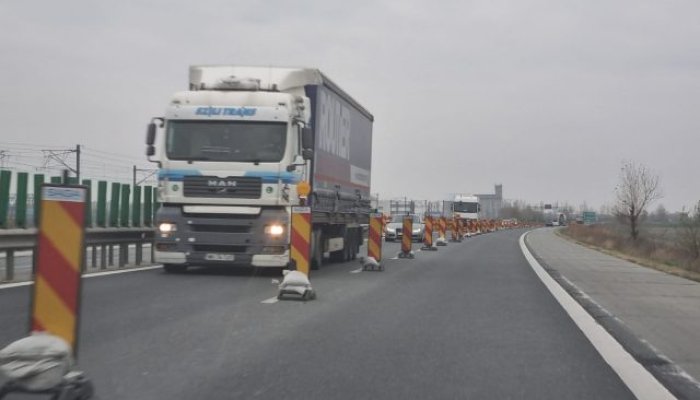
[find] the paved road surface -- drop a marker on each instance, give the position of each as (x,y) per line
(469,321)
(638,305)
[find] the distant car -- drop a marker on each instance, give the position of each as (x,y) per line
(394,229)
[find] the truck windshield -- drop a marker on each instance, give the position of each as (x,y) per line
(226,141)
(466,207)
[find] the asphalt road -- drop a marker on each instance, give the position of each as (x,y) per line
(471,320)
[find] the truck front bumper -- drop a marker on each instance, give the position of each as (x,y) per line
(257,260)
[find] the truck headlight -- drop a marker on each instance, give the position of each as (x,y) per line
(274,229)
(167,227)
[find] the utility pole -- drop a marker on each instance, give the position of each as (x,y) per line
(135,171)
(59,156)
(77,163)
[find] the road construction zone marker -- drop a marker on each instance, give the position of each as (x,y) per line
(428,235)
(301,238)
(59,261)
(374,244)
(296,280)
(442,232)
(407,238)
(454,230)
(461,229)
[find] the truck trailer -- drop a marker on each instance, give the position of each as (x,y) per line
(232,151)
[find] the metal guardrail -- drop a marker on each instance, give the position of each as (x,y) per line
(104,239)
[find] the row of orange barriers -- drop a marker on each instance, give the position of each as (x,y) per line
(457,228)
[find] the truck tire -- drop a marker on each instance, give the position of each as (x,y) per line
(174,268)
(316,249)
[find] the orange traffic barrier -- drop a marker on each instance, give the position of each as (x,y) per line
(428,235)
(442,232)
(60,241)
(301,238)
(407,239)
(374,243)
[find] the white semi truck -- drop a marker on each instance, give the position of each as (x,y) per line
(233,150)
(466,207)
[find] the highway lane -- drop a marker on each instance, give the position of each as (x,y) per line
(468,321)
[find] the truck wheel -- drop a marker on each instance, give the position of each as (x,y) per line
(174,268)
(354,245)
(338,256)
(316,250)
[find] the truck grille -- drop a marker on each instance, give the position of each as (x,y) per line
(241,187)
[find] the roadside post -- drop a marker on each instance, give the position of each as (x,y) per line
(428,235)
(55,301)
(407,238)
(374,244)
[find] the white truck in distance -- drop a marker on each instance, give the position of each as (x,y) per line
(231,154)
(466,207)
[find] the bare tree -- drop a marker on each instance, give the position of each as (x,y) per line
(636,190)
(689,232)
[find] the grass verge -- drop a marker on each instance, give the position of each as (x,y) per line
(647,253)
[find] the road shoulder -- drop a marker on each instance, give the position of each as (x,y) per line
(654,316)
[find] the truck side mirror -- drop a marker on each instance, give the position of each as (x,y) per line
(150,150)
(307,139)
(151,134)
(307,154)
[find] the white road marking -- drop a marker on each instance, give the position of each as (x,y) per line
(356,271)
(13,285)
(271,300)
(121,271)
(640,381)
(89,275)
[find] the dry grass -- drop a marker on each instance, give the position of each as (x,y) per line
(658,253)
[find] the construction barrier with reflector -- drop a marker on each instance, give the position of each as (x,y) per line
(301,238)
(428,235)
(407,238)
(374,243)
(59,262)
(454,230)
(442,232)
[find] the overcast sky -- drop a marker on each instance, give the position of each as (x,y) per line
(545,97)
